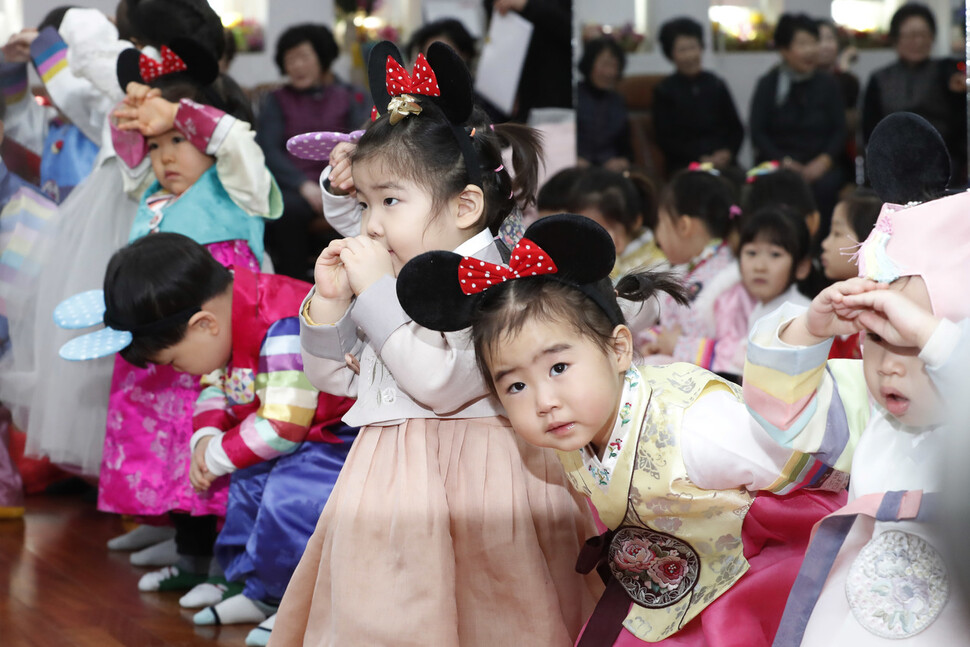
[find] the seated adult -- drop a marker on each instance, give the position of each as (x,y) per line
(798,115)
(932,88)
(602,122)
(313,98)
(693,113)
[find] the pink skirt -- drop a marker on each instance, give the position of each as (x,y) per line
(775,535)
(145,464)
(443,532)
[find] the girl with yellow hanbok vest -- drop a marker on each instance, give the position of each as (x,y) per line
(669,456)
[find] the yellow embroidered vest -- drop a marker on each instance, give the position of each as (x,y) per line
(676,547)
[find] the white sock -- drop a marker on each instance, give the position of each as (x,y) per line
(161,554)
(151,581)
(235,610)
(141,537)
(259,637)
(203,595)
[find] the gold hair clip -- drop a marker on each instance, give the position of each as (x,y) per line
(401,106)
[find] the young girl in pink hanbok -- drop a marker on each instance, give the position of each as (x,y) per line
(211,185)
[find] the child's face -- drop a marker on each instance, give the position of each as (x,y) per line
(206,347)
(766,269)
(559,388)
(896,376)
(616,231)
(398,213)
(839,266)
(669,239)
(176,162)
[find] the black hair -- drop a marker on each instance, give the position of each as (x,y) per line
(627,199)
(450,28)
(156,277)
(781,187)
(593,48)
(790,24)
(673,29)
(424,148)
(557,193)
(318,35)
(778,225)
(231,48)
(55,17)
(862,211)
(223,93)
(700,194)
(907,11)
(157,22)
(510,306)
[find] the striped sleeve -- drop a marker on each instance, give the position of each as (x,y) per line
(49,52)
(13,82)
(695,350)
(288,401)
(805,403)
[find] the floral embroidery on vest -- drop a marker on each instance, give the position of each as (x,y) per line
(897,585)
(241,386)
(655,568)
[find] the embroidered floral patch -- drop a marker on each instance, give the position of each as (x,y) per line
(601,474)
(897,585)
(655,568)
(241,386)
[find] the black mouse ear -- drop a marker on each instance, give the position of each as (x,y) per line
(907,159)
(429,291)
(377,72)
(128,69)
(581,249)
(201,64)
(454,81)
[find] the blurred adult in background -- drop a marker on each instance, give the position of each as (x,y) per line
(694,115)
(602,122)
(798,114)
(312,99)
(452,33)
(835,58)
(932,88)
(547,79)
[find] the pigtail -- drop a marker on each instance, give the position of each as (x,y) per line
(641,286)
(526,145)
(647,195)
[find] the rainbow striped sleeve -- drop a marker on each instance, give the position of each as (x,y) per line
(815,407)
(13,82)
(288,401)
(49,52)
(695,350)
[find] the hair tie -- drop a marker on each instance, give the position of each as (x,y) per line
(472,133)
(499,168)
(705,167)
(734,212)
(762,169)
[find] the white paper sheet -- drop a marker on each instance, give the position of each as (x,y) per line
(502,57)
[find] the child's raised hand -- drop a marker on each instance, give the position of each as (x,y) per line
(199,474)
(153,116)
(366,261)
(894,317)
(330,275)
(341,179)
(829,315)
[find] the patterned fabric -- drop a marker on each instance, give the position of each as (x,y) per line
(145,466)
(677,547)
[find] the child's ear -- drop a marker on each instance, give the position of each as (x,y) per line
(684,225)
(813,221)
(803,268)
(622,346)
(206,322)
(469,206)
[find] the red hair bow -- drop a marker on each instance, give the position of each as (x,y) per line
(151,69)
(528,259)
(421,81)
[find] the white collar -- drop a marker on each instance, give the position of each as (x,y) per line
(476,243)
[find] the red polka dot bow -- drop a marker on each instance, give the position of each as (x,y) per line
(421,81)
(528,259)
(151,69)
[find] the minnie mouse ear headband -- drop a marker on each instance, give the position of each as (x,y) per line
(181,55)
(908,161)
(442,77)
(88,309)
(443,290)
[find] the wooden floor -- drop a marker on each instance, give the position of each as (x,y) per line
(60,586)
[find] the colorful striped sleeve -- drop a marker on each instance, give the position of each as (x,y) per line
(13,82)
(695,350)
(49,52)
(288,401)
(803,402)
